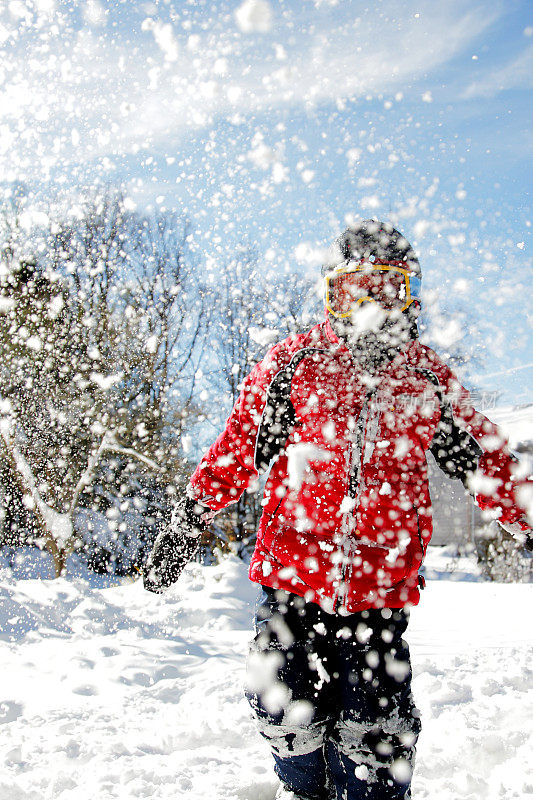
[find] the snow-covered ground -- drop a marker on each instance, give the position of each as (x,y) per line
(515,422)
(115,693)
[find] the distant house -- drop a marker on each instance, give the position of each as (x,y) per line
(455,515)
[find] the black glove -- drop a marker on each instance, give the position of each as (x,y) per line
(174,546)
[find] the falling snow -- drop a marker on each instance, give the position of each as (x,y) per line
(174,178)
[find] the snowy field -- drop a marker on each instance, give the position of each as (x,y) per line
(115,693)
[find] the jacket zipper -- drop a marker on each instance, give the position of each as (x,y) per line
(355,468)
(418,529)
(421,579)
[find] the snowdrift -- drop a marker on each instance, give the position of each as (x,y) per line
(115,693)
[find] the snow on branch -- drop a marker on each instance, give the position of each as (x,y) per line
(113,446)
(108,443)
(58,527)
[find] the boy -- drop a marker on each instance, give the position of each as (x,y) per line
(344,414)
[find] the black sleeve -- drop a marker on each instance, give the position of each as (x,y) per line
(279,417)
(277,422)
(456,452)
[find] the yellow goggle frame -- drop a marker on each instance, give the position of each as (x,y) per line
(366,267)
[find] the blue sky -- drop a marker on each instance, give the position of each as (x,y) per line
(276,122)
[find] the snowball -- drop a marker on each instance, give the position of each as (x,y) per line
(105,381)
(353,155)
(369,317)
(234,94)
(298,457)
(94,13)
(151,344)
(524,495)
(347,505)
(262,156)
(396,669)
(55,306)
(300,712)
(420,227)
(306,253)
(401,770)
(328,431)
(483,484)
(263,336)
(446,335)
(266,568)
(311,564)
(457,239)
(363,633)
(254,16)
(315,662)
(370,201)
(30,219)
(6,304)
(142,430)
(320,628)
(279,173)
(275,698)
(344,633)
(372,659)
(462,286)
(34,343)
(164,37)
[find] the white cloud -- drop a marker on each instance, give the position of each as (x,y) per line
(517,73)
(120,94)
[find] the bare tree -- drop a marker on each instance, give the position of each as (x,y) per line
(99,338)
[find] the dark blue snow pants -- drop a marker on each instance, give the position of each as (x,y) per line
(332,696)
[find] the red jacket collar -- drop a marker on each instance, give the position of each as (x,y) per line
(330,333)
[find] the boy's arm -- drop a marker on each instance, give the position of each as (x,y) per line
(230,465)
(255,432)
(469,446)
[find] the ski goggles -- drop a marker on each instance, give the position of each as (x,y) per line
(391,286)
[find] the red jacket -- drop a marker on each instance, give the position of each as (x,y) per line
(346,508)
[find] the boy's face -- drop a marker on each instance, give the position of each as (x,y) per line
(371,326)
(367,304)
